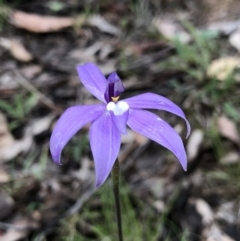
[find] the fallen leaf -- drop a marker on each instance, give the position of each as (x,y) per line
(85,173)
(230,158)
(4,176)
(6,138)
(31,71)
(87,54)
(204,209)
(9,152)
(227,128)
(108,67)
(234,39)
(40,125)
(223,67)
(226,212)
(20,229)
(171,29)
(8,81)
(140,139)
(102,24)
(129,138)
(194,142)
(213,233)
(39,23)
(17,50)
(224,27)
(10,148)
(159,205)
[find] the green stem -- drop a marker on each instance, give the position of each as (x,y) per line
(115,179)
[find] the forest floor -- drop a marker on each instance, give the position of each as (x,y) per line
(187,52)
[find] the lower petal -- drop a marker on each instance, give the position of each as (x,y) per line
(153,127)
(71,121)
(105,140)
(154,101)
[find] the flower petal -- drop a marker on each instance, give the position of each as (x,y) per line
(93,79)
(153,127)
(105,140)
(154,101)
(72,120)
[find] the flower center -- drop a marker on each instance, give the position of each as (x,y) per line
(118,108)
(114,88)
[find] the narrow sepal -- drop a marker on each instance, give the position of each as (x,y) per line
(93,79)
(105,140)
(71,121)
(153,127)
(154,101)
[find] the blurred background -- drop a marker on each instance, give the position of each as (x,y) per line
(187,51)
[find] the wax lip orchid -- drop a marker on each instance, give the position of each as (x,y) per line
(110,118)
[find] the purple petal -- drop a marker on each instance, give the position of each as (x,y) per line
(72,120)
(114,87)
(120,121)
(93,80)
(105,140)
(153,127)
(154,101)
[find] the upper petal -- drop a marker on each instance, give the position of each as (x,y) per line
(93,79)
(72,120)
(154,101)
(105,140)
(153,127)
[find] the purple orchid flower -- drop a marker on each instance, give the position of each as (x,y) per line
(109,120)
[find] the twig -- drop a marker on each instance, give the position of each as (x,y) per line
(33,90)
(147,60)
(5,226)
(79,203)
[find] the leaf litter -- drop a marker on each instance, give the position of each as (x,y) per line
(49,46)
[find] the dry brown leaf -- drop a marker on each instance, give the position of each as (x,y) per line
(17,50)
(227,128)
(39,23)
(222,68)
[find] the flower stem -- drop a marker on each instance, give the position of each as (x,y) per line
(115,179)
